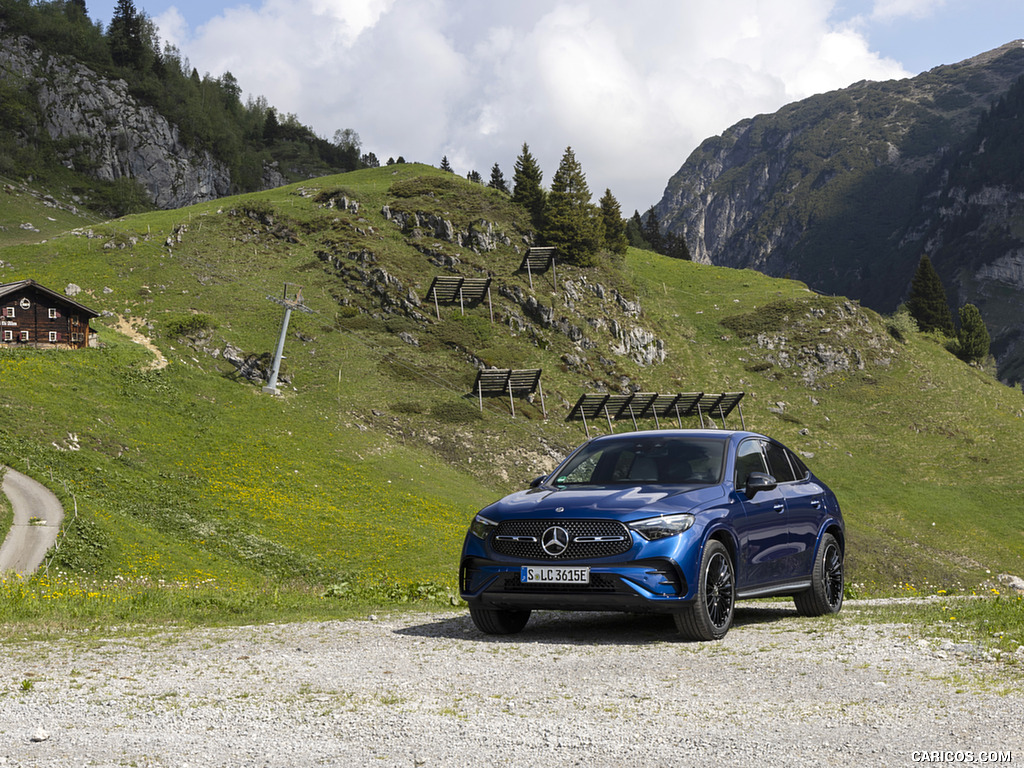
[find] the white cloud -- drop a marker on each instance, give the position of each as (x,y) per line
(889,10)
(173,27)
(633,88)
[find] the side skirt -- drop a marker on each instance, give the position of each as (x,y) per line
(785,588)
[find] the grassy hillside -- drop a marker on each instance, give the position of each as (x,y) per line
(357,483)
(28,215)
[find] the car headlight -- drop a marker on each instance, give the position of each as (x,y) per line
(481,526)
(662,527)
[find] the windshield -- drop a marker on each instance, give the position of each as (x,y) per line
(671,460)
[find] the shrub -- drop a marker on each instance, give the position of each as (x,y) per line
(972,335)
(901,325)
(188,325)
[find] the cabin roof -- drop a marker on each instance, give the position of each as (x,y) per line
(9,288)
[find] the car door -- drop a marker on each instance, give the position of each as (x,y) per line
(762,529)
(805,506)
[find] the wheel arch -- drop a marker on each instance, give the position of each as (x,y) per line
(726,538)
(837,532)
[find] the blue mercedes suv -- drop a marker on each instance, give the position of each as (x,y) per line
(683,522)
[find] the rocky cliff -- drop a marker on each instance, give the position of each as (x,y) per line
(95,126)
(847,190)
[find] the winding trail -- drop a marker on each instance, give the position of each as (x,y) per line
(37,518)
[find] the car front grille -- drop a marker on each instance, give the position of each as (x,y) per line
(585,539)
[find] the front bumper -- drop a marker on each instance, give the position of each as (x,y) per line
(643,586)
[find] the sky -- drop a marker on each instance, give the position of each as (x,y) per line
(632,87)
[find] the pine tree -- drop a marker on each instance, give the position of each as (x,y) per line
(271,128)
(445,165)
(614,228)
(475,177)
(635,232)
(675,246)
(124,36)
(927,302)
(973,335)
(571,223)
(652,231)
(526,186)
(498,180)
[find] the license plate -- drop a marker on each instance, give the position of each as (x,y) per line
(547,574)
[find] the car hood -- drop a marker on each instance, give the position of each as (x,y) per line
(624,502)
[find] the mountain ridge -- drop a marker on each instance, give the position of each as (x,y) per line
(829,190)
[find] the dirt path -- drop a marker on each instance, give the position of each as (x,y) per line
(37,518)
(130,328)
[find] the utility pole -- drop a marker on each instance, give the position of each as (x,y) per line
(289,303)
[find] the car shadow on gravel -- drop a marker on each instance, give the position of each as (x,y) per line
(586,628)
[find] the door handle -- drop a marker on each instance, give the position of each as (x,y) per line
(780,507)
(816,503)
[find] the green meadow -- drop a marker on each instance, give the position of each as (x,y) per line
(192,495)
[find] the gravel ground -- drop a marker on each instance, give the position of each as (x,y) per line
(572,690)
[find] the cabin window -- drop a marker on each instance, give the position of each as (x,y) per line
(8,311)
(24,335)
(53,335)
(8,335)
(53,313)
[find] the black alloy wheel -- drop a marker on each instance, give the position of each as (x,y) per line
(826,592)
(710,617)
(832,576)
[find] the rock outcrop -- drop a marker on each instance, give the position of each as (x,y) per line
(98,128)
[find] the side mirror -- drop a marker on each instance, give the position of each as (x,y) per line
(759,481)
(537,481)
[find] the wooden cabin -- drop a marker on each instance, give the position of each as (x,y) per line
(32,315)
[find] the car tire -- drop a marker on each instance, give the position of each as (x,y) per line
(494,621)
(826,592)
(710,616)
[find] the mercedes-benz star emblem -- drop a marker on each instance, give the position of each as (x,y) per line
(555,540)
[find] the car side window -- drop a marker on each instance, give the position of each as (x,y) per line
(798,466)
(778,463)
(748,459)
